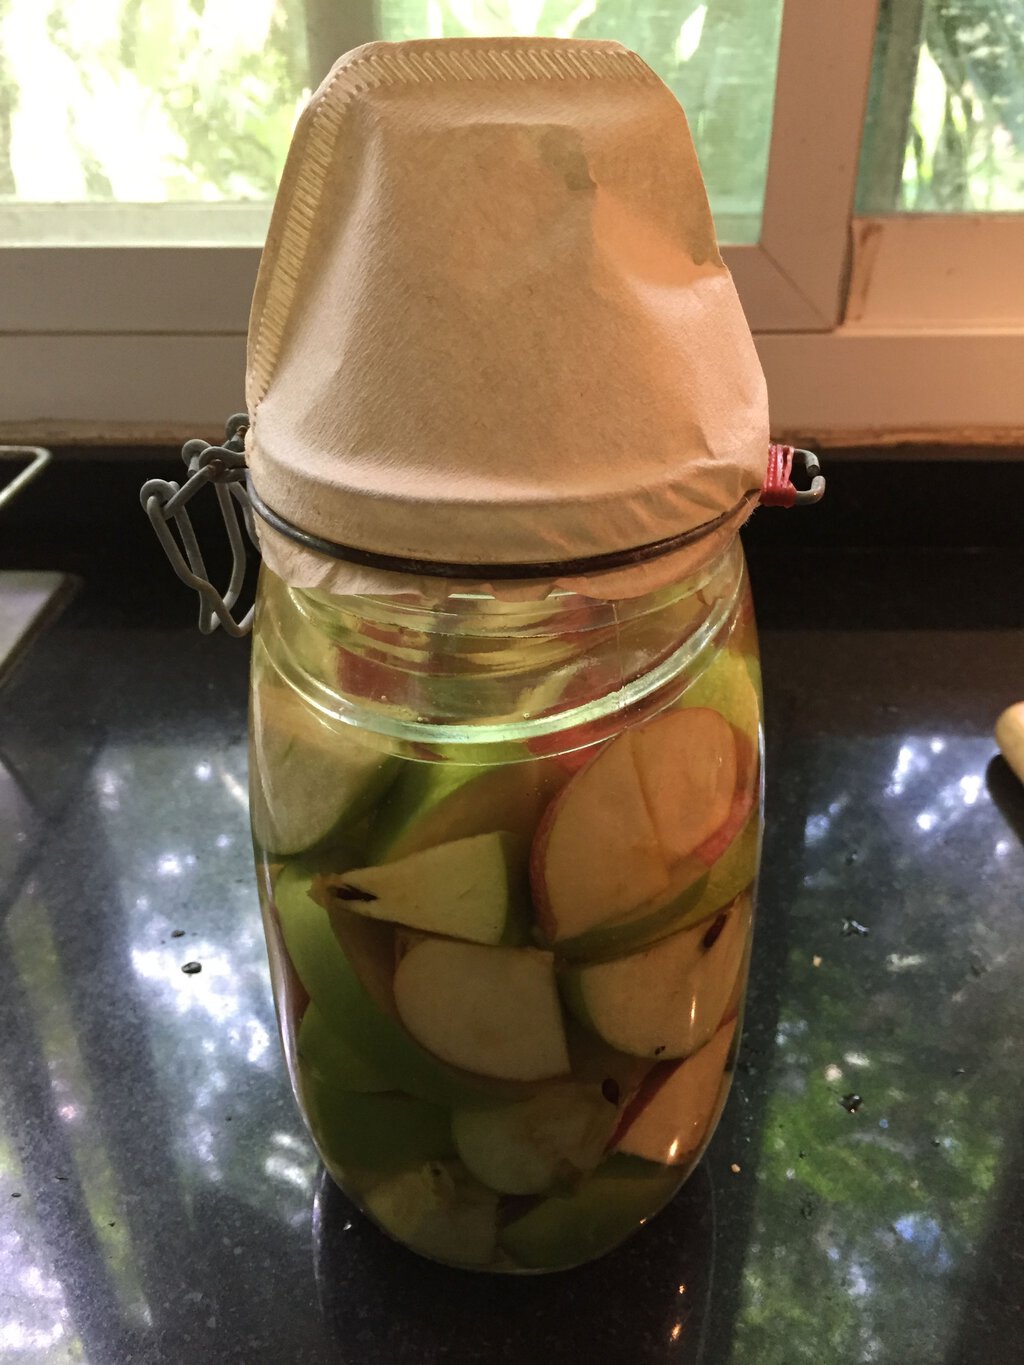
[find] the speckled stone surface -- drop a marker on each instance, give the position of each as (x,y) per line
(159,1198)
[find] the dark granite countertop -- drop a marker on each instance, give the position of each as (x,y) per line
(159,1198)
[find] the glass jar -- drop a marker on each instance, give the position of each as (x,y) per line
(507,855)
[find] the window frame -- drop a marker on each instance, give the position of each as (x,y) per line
(869,329)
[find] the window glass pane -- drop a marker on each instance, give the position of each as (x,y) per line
(719,57)
(175,102)
(945,128)
(186,103)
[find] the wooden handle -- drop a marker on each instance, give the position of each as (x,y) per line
(1010,737)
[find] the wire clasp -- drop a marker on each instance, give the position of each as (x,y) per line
(165,502)
(778,489)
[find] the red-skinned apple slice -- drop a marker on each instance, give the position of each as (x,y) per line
(744,796)
(701,884)
(734,871)
(687,766)
(669,1117)
(610,844)
(596,854)
(665,1001)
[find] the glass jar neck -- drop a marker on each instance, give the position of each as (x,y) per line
(473,663)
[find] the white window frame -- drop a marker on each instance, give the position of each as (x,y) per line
(870,330)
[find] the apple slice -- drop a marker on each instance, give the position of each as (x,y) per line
(470,889)
(726,686)
(736,1004)
(566,1230)
(291,999)
(377,1132)
(617,1074)
(733,872)
(744,797)
(490,1010)
(611,844)
(440,802)
(309,777)
(672,911)
(357,1003)
(596,854)
(687,765)
(667,1000)
(702,883)
(439,1211)
(668,1119)
(524,1148)
(335,1057)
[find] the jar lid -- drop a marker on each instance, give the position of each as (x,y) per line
(492,326)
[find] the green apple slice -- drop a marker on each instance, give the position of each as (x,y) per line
(525,1148)
(439,1211)
(667,1000)
(612,843)
(334,1056)
(473,889)
(355,1003)
(441,802)
(375,1132)
(493,1011)
(727,686)
(670,1116)
(310,777)
(566,1230)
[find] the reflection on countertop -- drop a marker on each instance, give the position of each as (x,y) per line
(161,1202)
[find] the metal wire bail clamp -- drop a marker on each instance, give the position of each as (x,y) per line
(165,502)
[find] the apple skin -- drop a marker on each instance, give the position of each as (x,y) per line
(676,909)
(371,678)
(726,685)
